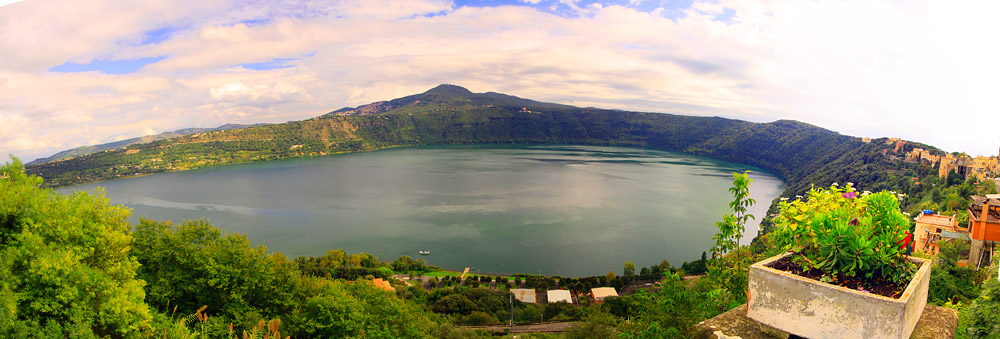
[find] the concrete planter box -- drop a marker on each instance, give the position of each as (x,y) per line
(813,309)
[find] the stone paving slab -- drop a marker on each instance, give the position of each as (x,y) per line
(935,323)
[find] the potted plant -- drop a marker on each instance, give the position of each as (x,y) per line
(843,273)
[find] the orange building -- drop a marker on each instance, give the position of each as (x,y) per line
(984,229)
(931,228)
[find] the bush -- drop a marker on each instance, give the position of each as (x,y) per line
(455,303)
(479,318)
(984,322)
(194,264)
(66,269)
(595,327)
(952,283)
(335,309)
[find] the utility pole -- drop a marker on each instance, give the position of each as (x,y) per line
(511,314)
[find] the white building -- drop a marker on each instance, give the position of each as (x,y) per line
(559,295)
(600,293)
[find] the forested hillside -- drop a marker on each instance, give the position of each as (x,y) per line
(452,115)
(804,155)
(124,143)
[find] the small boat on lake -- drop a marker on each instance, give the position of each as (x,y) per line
(425,252)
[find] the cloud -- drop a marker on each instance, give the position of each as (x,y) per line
(859,67)
(239,91)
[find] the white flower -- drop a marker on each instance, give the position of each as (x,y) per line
(906,213)
(850,183)
(835,184)
(798,196)
(783,199)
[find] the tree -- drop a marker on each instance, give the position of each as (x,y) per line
(951,251)
(665,265)
(732,225)
(65,264)
(610,277)
(629,270)
(335,309)
(454,303)
(194,264)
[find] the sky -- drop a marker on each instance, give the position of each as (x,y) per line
(76,73)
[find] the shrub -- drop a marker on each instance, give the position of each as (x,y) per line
(984,322)
(66,269)
(479,318)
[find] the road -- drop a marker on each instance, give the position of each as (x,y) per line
(532,328)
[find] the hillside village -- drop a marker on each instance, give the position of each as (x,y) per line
(981,167)
(980,223)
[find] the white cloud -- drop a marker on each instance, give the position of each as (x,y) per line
(238,90)
(8,2)
(915,70)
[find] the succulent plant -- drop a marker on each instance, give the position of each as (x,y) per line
(841,232)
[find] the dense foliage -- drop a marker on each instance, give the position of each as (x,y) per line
(984,322)
(65,268)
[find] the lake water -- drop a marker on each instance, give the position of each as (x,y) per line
(565,210)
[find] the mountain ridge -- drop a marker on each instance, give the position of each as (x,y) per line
(450,114)
(84,150)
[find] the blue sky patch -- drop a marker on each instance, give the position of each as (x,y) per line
(269,65)
(117,67)
(672,9)
(728,15)
(158,35)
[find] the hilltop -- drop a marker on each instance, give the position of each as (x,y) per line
(802,154)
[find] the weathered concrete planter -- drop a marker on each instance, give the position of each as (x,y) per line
(813,309)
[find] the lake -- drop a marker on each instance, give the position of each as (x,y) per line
(555,210)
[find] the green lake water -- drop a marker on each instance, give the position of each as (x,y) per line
(565,210)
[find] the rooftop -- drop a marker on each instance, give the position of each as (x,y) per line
(936,219)
(559,295)
(601,292)
(524,295)
(976,209)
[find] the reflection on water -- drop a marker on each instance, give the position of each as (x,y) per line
(567,210)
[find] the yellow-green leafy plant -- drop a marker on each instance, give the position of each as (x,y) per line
(846,234)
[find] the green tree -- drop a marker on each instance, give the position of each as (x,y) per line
(952,250)
(455,303)
(629,270)
(732,225)
(597,326)
(195,264)
(335,309)
(983,320)
(65,265)
(665,265)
